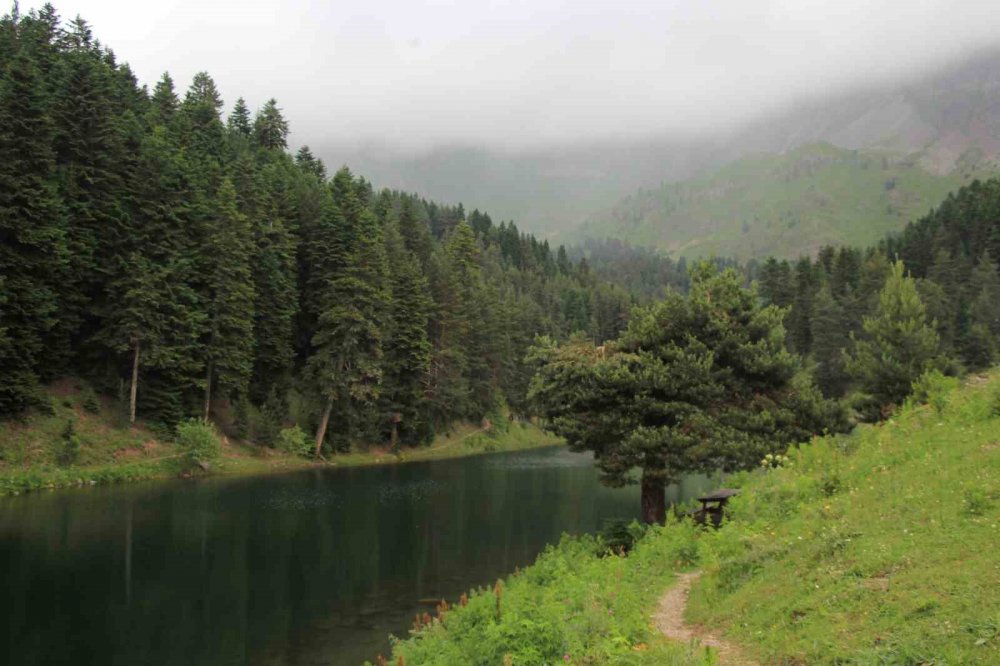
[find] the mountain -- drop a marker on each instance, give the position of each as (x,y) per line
(784,204)
(548,191)
(936,129)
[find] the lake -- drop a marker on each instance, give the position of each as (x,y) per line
(314,567)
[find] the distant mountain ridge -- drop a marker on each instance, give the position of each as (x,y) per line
(942,116)
(783,204)
(945,126)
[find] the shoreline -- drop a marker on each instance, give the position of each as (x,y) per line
(244,459)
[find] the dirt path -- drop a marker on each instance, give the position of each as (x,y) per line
(669,620)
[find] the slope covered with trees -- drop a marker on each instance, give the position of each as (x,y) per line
(781,204)
(182,259)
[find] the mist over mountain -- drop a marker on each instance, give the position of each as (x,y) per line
(942,122)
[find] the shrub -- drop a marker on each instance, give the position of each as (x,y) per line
(619,537)
(294,440)
(272,416)
(242,413)
(976,502)
(89,400)
(830,483)
(198,442)
(69,445)
(933,388)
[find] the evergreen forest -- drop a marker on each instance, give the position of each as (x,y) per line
(179,255)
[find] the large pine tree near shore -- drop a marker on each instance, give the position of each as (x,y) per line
(697,382)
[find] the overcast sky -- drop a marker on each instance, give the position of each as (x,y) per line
(513,74)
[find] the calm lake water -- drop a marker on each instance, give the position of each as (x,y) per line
(315,567)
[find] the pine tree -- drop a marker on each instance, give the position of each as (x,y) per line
(407,349)
(164,102)
(798,319)
(239,123)
(830,337)
(448,391)
(33,253)
(694,382)
(202,129)
(982,348)
(304,160)
(347,346)
(155,315)
(91,163)
(229,345)
(270,130)
(898,344)
(414,226)
(275,287)
(562,261)
(775,283)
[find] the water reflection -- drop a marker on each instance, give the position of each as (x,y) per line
(307,568)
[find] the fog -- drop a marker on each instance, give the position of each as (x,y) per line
(515,75)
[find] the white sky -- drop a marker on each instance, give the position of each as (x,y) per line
(417,73)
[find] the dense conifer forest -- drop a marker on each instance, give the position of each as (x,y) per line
(951,254)
(180,257)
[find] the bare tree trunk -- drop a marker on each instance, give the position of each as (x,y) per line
(208,388)
(321,431)
(654,506)
(134,391)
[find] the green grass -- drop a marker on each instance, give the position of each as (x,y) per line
(786,205)
(570,606)
(33,452)
(878,547)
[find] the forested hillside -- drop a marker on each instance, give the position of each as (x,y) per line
(951,253)
(781,204)
(940,123)
(181,259)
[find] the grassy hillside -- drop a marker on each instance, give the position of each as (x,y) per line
(35,454)
(874,548)
(788,205)
(878,548)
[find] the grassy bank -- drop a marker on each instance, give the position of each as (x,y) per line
(44,452)
(874,548)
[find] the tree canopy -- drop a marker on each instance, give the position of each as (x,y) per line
(695,382)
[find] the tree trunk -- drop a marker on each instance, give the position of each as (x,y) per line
(208,389)
(321,431)
(133,392)
(654,505)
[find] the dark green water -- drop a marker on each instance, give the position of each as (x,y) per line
(315,567)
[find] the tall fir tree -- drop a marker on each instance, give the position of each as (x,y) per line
(830,336)
(230,300)
(33,254)
(239,122)
(982,347)
(164,102)
(351,294)
(898,344)
(407,349)
(270,130)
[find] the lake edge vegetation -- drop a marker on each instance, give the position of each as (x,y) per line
(847,549)
(84,442)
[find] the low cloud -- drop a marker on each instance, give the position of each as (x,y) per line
(517,75)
